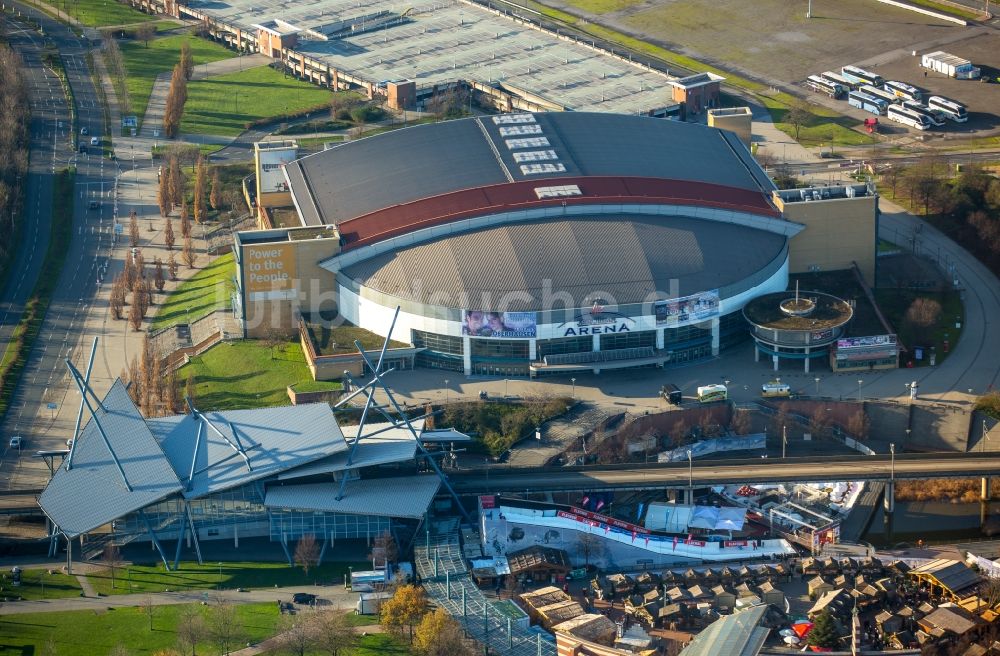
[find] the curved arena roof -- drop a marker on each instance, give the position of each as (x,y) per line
(626,257)
(511,154)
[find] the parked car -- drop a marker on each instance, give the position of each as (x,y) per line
(16,442)
(93,205)
(69,443)
(303,598)
(95,141)
(84,131)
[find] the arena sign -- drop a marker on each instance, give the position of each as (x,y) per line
(597,320)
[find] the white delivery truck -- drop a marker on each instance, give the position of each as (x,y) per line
(950,65)
(369,603)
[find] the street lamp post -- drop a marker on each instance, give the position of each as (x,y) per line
(220,575)
(505,381)
(446,391)
(690,473)
(573,380)
(892,463)
(817,385)
(784,440)
(859,389)
(906,438)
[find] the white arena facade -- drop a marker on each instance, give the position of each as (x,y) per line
(554,243)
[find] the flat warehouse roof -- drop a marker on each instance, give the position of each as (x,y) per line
(444,41)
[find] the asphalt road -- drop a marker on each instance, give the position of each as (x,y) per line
(49,145)
(811,469)
(45,378)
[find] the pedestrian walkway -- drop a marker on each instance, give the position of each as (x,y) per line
(328,597)
(85,586)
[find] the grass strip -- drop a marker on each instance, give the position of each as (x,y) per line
(15,357)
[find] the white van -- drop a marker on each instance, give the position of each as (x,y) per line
(775,389)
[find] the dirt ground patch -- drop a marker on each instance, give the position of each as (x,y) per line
(981,99)
(769,38)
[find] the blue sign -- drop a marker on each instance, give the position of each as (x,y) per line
(52,406)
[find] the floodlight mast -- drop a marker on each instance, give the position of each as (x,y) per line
(400,420)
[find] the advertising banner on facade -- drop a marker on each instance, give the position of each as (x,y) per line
(687,309)
(848,343)
(499,325)
(268,268)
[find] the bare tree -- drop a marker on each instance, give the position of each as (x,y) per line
(589,545)
(798,115)
(163,197)
(923,316)
(273,338)
(201,174)
(332,633)
(172,266)
(112,558)
(859,425)
(190,388)
(147,608)
(188,253)
(158,279)
(215,194)
(384,549)
(133,229)
(191,631)
(135,313)
(187,61)
(168,234)
(740,422)
(185,221)
(295,635)
(819,423)
(144,33)
(306,553)
(117,298)
(176,97)
(225,628)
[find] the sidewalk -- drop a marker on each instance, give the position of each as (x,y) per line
(328,597)
(274,642)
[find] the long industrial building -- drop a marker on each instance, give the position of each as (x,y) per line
(536,244)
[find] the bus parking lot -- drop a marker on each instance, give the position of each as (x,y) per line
(982,99)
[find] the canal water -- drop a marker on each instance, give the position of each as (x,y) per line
(930,521)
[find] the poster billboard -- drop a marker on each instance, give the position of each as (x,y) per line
(848,343)
(499,325)
(687,309)
(268,268)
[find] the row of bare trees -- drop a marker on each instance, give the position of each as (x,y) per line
(14,145)
(115,64)
(173,110)
(172,191)
(154,389)
(967,203)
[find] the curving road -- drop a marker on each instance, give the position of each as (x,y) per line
(45,379)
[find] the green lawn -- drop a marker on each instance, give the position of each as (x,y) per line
(192,576)
(603,6)
(39,584)
(824,127)
(95,633)
(894,303)
(339,339)
(207,291)
(144,64)
(97,13)
(245,374)
(374,644)
(224,104)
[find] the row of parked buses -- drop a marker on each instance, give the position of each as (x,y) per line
(897,101)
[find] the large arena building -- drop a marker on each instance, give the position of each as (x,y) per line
(533,244)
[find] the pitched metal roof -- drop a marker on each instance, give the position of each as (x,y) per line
(649,254)
(405,165)
(93,493)
(954,575)
(739,634)
(274,440)
(377,448)
(404,496)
